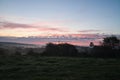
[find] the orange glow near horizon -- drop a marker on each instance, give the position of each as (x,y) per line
(51,34)
(78,43)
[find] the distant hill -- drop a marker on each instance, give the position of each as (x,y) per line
(14,44)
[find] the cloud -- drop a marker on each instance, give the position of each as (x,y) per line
(88,31)
(44,40)
(85,35)
(11,25)
(71,38)
(52,29)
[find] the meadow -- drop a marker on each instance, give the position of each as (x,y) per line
(58,68)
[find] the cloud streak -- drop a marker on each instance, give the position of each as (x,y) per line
(88,31)
(83,39)
(10,25)
(55,39)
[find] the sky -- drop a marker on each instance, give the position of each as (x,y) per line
(42,21)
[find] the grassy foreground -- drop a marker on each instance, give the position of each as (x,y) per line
(58,68)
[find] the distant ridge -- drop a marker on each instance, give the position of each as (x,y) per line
(15,44)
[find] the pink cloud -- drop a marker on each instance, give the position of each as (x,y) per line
(10,25)
(73,42)
(51,29)
(83,41)
(86,35)
(88,31)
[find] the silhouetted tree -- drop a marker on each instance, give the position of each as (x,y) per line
(111,41)
(107,48)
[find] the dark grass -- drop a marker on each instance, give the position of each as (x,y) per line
(58,68)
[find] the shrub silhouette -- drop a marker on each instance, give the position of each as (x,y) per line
(108,48)
(104,52)
(32,52)
(60,50)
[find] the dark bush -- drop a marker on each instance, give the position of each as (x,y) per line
(31,51)
(104,51)
(60,50)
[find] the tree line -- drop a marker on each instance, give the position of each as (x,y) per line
(109,47)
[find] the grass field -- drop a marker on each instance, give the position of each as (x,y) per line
(58,68)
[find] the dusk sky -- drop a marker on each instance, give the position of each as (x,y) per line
(72,21)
